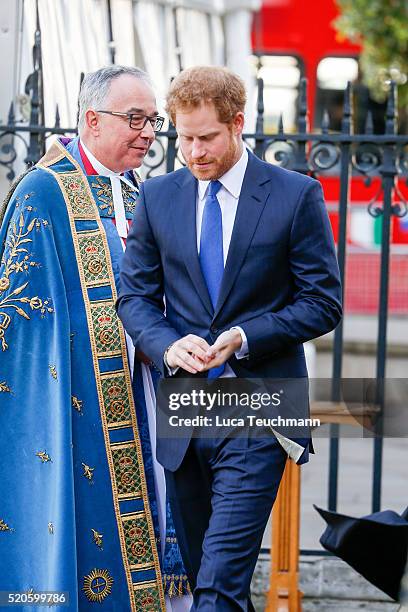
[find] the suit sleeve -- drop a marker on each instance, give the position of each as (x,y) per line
(141,300)
(316,307)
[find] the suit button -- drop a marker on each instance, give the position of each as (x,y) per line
(214,330)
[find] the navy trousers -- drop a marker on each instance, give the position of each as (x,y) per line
(221,498)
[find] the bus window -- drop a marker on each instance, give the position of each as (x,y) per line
(333,73)
(281,75)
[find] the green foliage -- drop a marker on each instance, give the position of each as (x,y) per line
(381,28)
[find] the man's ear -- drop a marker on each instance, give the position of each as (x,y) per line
(92,121)
(238,123)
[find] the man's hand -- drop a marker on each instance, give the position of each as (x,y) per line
(189,353)
(228,343)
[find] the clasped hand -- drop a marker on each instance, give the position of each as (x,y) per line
(194,354)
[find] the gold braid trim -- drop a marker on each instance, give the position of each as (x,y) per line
(176,586)
(56,153)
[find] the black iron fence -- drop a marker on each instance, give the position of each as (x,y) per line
(322,153)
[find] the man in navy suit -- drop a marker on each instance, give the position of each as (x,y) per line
(243,253)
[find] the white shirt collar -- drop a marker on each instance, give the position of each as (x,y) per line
(231,180)
(97,166)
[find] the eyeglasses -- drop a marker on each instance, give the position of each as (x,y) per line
(138,122)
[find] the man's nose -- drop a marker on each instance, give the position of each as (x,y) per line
(148,131)
(197,149)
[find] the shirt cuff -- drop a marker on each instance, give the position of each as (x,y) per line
(170,371)
(243,351)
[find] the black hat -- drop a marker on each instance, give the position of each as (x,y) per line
(375,546)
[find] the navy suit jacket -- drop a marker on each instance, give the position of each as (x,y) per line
(280,285)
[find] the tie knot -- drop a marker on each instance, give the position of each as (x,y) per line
(214,188)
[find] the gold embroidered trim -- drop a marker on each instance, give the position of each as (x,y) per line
(127,470)
(50,158)
(146,596)
(141,566)
(104,198)
(104,194)
(92,254)
(81,205)
(116,400)
(129,496)
(106,328)
(176,586)
(112,426)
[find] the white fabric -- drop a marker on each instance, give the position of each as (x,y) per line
(173,604)
(243,351)
(120,215)
(160,483)
(74,40)
(154,22)
(179,604)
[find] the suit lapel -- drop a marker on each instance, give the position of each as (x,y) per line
(186,231)
(252,200)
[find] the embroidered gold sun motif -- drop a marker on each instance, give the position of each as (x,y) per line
(4,526)
(53,371)
(44,456)
(98,585)
(4,387)
(76,403)
(97,538)
(88,471)
(16,260)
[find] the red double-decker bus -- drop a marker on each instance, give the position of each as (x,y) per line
(292,39)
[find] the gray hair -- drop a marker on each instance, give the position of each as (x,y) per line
(96,85)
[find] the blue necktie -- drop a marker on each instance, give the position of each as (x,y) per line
(211,251)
